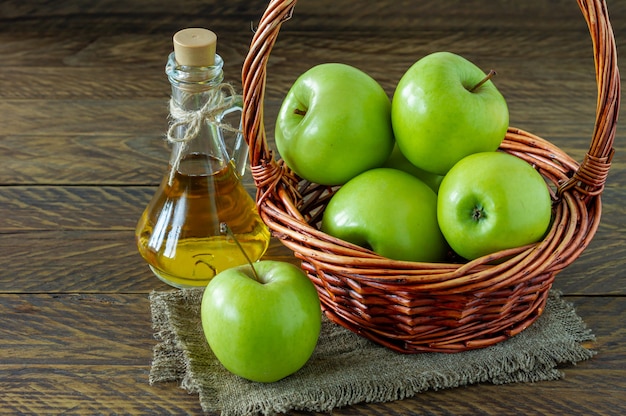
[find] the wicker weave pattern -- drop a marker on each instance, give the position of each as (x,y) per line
(415,307)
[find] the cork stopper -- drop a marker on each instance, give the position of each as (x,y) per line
(195,47)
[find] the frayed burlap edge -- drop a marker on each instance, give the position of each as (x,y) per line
(347,369)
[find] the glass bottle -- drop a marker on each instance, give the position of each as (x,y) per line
(180,233)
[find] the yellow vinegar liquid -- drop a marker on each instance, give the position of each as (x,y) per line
(179,232)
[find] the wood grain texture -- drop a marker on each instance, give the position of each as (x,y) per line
(83,110)
(328,15)
(83,261)
(40,207)
(97,361)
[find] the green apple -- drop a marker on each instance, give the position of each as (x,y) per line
(390,212)
(398,161)
(266,329)
(441,112)
(334,123)
(492,201)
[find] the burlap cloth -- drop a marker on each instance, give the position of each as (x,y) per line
(347,369)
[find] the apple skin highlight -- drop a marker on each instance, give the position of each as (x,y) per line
(262,330)
(334,123)
(437,119)
(492,201)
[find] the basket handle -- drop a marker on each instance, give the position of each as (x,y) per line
(266,171)
(590,177)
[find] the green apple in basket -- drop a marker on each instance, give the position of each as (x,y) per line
(492,201)
(334,123)
(262,320)
(390,212)
(445,108)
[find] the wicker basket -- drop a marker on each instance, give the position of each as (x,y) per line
(416,307)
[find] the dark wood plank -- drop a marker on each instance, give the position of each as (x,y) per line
(147,15)
(121,159)
(90,390)
(88,159)
(118,65)
(72,353)
(85,261)
(85,101)
(75,262)
(48,207)
(32,208)
(78,67)
(526,62)
(128,136)
(86,116)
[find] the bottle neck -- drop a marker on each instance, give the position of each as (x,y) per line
(192,86)
(192,89)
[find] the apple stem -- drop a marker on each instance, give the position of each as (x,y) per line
(225,229)
(299,112)
(487,78)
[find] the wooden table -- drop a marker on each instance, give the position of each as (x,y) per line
(83,107)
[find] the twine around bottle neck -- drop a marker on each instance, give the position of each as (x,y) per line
(217,102)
